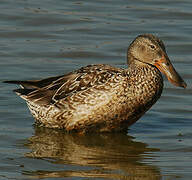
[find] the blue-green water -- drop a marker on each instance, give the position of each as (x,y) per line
(45,38)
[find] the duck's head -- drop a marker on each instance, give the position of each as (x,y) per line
(149,49)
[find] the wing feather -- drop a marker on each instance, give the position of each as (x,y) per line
(53,89)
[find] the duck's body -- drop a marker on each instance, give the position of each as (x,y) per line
(96,97)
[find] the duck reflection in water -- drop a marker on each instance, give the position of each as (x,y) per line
(114,156)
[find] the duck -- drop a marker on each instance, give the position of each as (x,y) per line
(100,97)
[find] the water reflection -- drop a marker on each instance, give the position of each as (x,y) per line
(114,156)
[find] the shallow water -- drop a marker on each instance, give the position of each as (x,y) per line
(46,38)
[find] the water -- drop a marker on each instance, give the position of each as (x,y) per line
(45,38)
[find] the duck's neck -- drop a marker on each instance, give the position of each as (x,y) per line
(146,80)
(143,70)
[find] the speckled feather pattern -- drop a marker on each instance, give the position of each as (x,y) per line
(110,100)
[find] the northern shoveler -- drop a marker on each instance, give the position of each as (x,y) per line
(100,97)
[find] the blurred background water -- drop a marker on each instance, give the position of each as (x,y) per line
(45,38)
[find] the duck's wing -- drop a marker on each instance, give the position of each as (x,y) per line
(50,90)
(33,84)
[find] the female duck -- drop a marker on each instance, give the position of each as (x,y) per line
(100,97)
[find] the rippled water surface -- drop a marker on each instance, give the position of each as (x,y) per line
(45,38)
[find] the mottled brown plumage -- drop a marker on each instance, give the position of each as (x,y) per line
(100,97)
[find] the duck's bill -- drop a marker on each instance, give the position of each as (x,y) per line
(165,66)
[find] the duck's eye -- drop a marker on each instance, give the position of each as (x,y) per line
(152,46)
